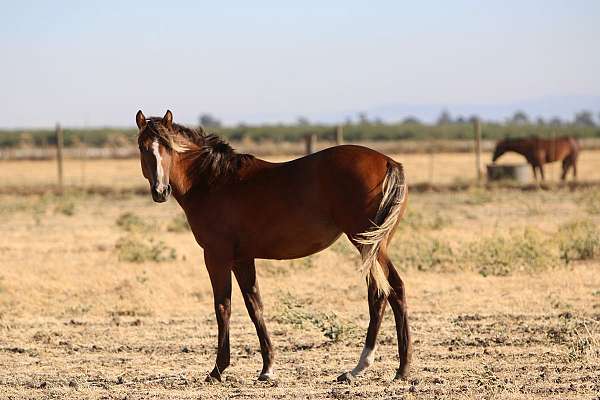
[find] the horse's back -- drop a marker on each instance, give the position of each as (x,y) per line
(560,148)
(299,207)
(339,171)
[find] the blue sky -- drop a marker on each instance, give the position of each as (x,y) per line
(96,64)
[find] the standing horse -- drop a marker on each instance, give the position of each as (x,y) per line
(541,151)
(241,208)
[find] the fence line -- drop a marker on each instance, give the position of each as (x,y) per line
(270,149)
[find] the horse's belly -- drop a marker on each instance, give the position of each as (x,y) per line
(300,241)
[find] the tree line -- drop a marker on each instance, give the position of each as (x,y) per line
(361,128)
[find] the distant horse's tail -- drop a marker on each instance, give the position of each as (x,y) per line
(575,145)
(394,192)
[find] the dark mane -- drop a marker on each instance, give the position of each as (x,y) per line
(213,159)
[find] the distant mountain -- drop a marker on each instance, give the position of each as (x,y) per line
(548,107)
(563,107)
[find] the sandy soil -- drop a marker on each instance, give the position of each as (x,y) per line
(76,321)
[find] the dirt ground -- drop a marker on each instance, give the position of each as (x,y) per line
(84,315)
(78,322)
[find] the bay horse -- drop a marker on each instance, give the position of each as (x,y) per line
(539,151)
(241,208)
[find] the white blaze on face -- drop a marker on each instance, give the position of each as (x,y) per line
(159,168)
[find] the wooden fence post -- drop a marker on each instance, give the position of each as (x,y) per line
(553,152)
(82,154)
(430,169)
(311,143)
(339,135)
(59,156)
(477,128)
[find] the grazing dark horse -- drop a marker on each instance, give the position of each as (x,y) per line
(241,208)
(541,151)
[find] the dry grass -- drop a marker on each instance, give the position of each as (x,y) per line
(445,168)
(77,320)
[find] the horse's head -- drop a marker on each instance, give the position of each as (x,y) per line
(499,150)
(155,153)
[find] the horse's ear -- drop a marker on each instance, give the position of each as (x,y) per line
(140,119)
(168,119)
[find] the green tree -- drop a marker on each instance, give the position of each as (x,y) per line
(411,120)
(444,118)
(208,121)
(584,118)
(519,118)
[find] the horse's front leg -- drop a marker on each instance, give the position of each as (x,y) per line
(219,270)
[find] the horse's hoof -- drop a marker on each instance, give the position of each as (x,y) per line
(265,377)
(212,379)
(401,375)
(346,377)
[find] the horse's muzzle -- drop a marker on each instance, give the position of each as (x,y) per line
(160,196)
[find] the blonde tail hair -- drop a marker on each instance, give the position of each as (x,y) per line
(393,196)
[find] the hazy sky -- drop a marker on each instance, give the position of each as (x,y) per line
(96,63)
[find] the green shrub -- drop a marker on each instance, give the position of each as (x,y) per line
(419,221)
(292,312)
(500,255)
(424,254)
(590,200)
(137,250)
(179,224)
(131,222)
(478,196)
(496,255)
(65,207)
(579,347)
(579,240)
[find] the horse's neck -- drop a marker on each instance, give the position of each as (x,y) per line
(180,177)
(520,148)
(185,178)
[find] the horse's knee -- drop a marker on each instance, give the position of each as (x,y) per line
(223,310)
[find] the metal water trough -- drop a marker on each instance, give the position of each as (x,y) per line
(517,172)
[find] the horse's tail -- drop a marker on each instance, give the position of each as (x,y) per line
(393,192)
(575,145)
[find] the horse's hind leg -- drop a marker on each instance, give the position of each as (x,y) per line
(566,163)
(377,303)
(397,300)
(245,274)
(570,161)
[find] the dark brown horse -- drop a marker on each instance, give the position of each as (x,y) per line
(541,151)
(241,208)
